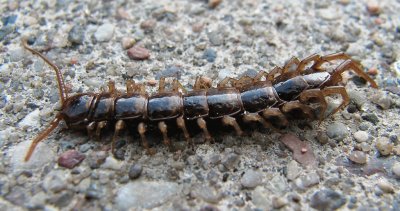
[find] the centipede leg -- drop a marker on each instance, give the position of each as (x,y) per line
(254,117)
(228,120)
(145,144)
(295,105)
(276,117)
(181,124)
(119,126)
(224,83)
(337,90)
(100,126)
(41,137)
(307,95)
(176,86)
(348,65)
(313,58)
(288,71)
(202,83)
(203,125)
(130,87)
(90,128)
(163,128)
(161,85)
(331,57)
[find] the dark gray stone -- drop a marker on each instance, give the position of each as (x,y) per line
(135,171)
(77,35)
(210,55)
(326,200)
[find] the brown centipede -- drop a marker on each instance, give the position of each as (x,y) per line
(270,98)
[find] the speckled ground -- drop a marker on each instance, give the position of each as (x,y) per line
(89,41)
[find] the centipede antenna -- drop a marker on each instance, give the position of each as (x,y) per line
(60,80)
(41,137)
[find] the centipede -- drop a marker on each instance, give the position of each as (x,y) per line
(270,98)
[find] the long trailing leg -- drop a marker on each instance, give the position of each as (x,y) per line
(330,57)
(291,106)
(255,117)
(275,117)
(348,65)
(119,126)
(337,90)
(61,86)
(228,120)
(42,136)
(145,143)
(311,94)
(203,125)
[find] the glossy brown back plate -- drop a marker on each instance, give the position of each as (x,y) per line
(164,106)
(195,104)
(130,107)
(223,101)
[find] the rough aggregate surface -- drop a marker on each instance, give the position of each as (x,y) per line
(355,152)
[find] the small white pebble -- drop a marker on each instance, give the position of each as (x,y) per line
(361,136)
(385,186)
(396,169)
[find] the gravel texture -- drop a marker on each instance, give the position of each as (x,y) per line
(349,161)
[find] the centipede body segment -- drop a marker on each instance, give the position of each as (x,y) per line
(270,99)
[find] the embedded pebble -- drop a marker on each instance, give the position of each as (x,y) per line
(384,102)
(293,170)
(396,169)
(328,14)
(215,38)
(385,186)
(210,55)
(214,3)
(384,146)
(127,42)
(230,160)
(358,157)
(279,202)
(148,25)
(327,199)
(55,182)
(134,171)
(337,131)
(32,119)
(105,32)
(373,7)
(322,138)
(145,195)
(170,71)
(95,159)
(70,159)
(370,117)
(307,181)
(138,53)
(251,179)
(207,193)
(76,35)
(112,163)
(360,136)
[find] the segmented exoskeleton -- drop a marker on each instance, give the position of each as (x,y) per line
(269,98)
